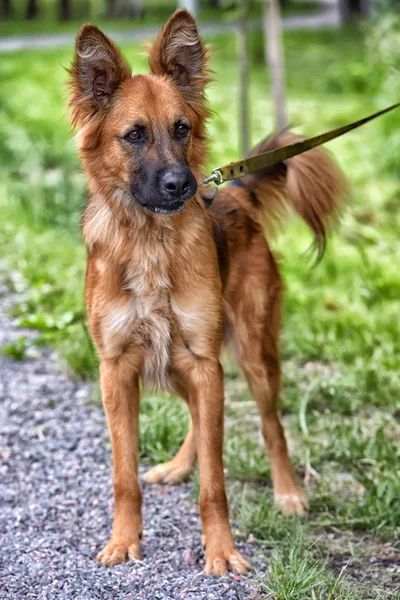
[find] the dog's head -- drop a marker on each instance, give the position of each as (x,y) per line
(141,137)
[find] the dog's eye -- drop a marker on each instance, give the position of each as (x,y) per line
(182,129)
(133,136)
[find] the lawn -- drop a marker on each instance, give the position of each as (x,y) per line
(341,338)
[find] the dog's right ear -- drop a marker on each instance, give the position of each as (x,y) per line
(98,68)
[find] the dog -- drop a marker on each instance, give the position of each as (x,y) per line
(169,279)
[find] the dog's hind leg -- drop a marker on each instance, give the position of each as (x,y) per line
(260,363)
(182,464)
(179,467)
(255,320)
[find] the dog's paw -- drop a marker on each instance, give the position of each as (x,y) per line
(170,473)
(293,503)
(219,562)
(118,551)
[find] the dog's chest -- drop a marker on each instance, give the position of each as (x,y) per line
(145,319)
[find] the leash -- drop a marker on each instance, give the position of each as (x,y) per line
(240,168)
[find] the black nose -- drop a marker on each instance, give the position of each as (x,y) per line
(176,183)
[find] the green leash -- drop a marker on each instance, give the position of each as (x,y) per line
(240,168)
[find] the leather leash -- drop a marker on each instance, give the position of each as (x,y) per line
(240,168)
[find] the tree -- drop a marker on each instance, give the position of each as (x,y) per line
(111,8)
(6,9)
(352,9)
(32,9)
(65,10)
(274,57)
(190,5)
(124,8)
(243,77)
(134,8)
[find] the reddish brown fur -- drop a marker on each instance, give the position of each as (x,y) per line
(158,301)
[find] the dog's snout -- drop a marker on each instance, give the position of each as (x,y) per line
(177,183)
(168,190)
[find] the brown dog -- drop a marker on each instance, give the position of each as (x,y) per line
(168,277)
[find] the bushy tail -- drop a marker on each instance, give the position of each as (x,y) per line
(310,183)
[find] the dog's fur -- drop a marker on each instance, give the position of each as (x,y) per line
(169,278)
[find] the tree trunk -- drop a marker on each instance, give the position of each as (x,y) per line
(6,10)
(32,10)
(274,57)
(243,78)
(190,5)
(354,9)
(65,10)
(344,11)
(111,8)
(365,9)
(135,8)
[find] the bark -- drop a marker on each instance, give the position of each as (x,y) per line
(6,10)
(274,57)
(65,10)
(32,10)
(243,78)
(134,8)
(354,9)
(190,5)
(111,8)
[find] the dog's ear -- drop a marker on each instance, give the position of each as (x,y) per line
(98,68)
(180,53)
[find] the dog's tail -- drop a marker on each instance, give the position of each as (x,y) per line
(309,183)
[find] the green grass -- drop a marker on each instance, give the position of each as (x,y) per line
(340,343)
(296,572)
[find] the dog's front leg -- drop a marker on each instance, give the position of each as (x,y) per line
(206,399)
(120,391)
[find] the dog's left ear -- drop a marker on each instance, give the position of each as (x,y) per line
(180,53)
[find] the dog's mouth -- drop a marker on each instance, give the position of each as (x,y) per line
(166,206)
(172,208)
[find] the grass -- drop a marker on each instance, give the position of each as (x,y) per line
(295,573)
(155,12)
(340,343)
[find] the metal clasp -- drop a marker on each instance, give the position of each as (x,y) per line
(215,177)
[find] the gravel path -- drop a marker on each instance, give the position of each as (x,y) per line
(56,500)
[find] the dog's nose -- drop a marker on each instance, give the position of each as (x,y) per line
(175,183)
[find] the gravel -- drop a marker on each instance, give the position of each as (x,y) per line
(56,499)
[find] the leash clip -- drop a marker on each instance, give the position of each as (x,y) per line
(215,177)
(209,194)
